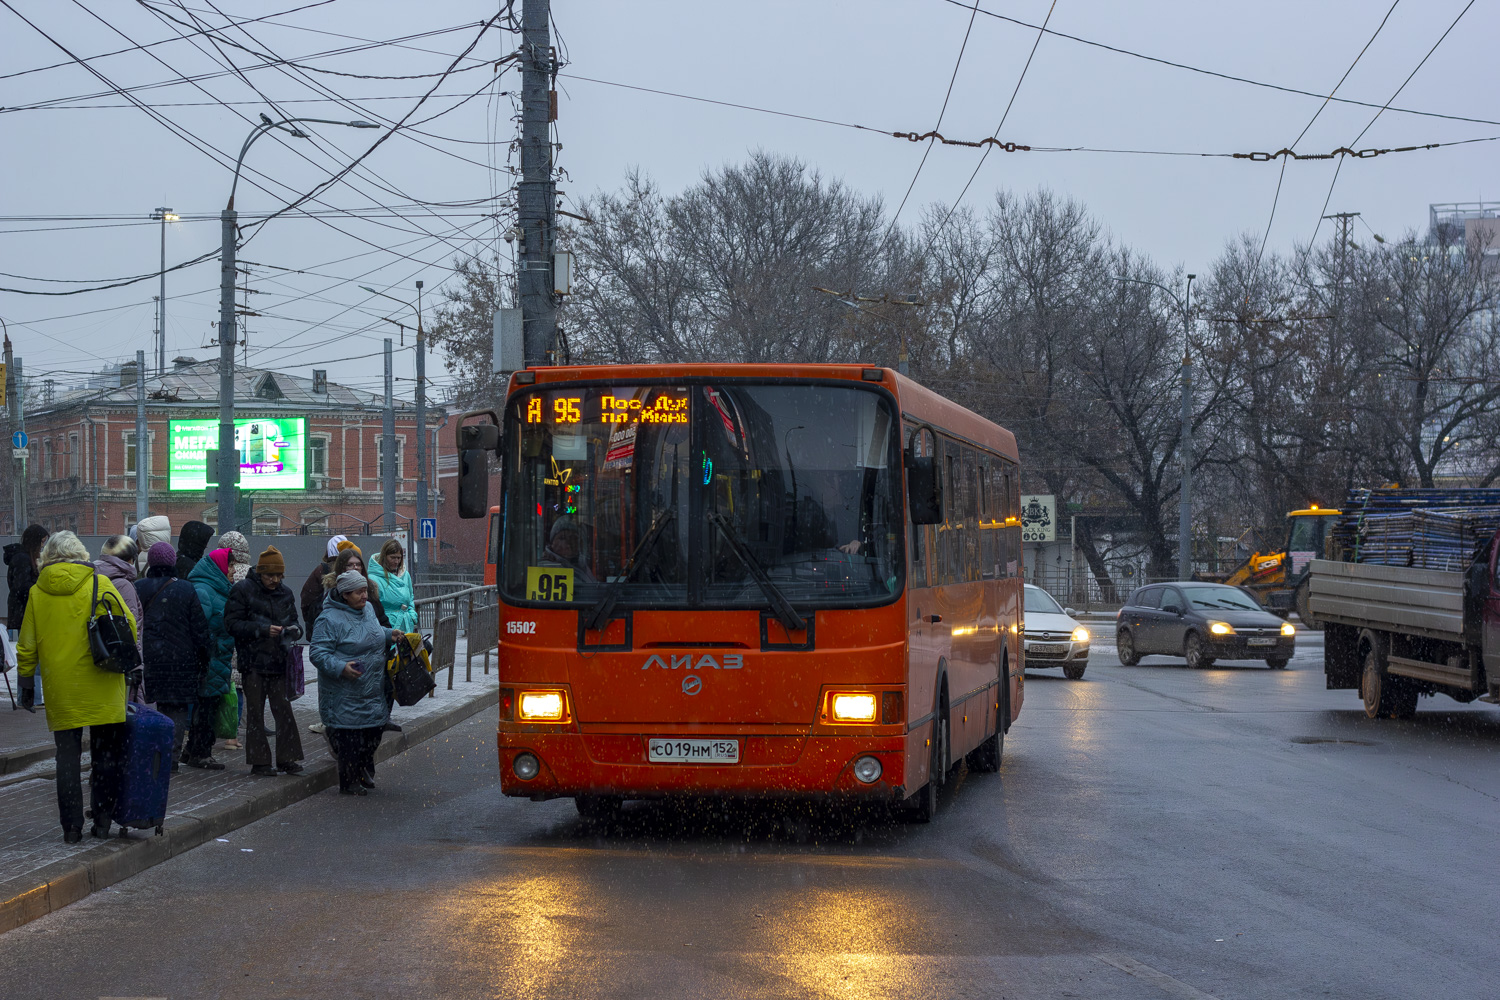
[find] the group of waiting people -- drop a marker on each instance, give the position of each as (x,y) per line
(205,623)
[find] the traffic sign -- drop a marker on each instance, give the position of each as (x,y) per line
(19,439)
(427,528)
(19,453)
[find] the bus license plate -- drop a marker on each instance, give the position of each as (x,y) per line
(1261,642)
(693,751)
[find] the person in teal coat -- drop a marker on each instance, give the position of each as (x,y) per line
(210,578)
(394,584)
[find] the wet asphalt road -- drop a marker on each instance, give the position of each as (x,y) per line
(1237,832)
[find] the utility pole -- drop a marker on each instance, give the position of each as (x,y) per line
(388,444)
(419,550)
(164,215)
(229,456)
(536,193)
(142,441)
(17,420)
(1185,504)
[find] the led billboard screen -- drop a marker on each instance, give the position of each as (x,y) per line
(273,452)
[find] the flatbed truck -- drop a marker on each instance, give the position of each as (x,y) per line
(1395,633)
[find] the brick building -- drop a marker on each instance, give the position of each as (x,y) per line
(81,470)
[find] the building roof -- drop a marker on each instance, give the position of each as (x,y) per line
(191,382)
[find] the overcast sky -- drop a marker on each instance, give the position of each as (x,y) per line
(876,63)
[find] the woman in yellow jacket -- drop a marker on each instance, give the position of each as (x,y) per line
(54,640)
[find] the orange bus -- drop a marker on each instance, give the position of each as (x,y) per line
(747,580)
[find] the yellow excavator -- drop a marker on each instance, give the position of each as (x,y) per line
(1279,579)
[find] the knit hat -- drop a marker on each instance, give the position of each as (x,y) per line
(333,545)
(220,558)
(346,544)
(350,581)
(161,554)
(238,544)
(271,562)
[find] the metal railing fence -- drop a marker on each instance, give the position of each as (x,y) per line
(471,612)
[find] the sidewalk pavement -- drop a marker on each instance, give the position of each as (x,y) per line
(39,873)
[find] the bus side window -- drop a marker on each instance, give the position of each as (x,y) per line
(971,516)
(952,504)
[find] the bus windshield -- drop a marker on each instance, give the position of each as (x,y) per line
(702,494)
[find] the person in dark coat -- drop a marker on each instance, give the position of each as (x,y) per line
(20,573)
(261,615)
(176,641)
(191,544)
(312,590)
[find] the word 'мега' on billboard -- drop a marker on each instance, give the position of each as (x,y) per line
(272,452)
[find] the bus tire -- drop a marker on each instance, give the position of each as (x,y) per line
(1125,648)
(937,768)
(598,808)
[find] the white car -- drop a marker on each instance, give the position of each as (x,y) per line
(1053,638)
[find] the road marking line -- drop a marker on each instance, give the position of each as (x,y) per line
(1166,983)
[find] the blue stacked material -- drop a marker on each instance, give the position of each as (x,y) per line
(1426,529)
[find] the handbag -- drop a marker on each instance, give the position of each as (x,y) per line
(111,640)
(296,674)
(411,678)
(227,716)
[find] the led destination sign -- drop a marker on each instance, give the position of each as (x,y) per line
(645,406)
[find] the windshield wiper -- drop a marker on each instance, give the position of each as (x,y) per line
(599,614)
(783,609)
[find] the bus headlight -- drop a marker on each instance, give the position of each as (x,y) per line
(1080,634)
(542,706)
(1221,628)
(852,707)
(1287,628)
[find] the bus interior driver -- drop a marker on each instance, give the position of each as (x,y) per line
(563,547)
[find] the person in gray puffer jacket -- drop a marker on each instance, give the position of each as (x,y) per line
(349,647)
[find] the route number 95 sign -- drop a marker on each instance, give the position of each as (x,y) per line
(549,583)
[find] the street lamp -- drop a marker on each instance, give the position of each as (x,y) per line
(1185,500)
(164,216)
(229,464)
(419,550)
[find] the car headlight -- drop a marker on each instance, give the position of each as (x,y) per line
(1287,628)
(852,707)
(543,706)
(1080,634)
(1221,628)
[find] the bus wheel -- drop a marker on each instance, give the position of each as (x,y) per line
(937,770)
(598,808)
(985,758)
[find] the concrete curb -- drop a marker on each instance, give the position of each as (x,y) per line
(36,894)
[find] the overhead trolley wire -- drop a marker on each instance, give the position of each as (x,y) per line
(1376,116)
(1214,73)
(963,46)
(1276,198)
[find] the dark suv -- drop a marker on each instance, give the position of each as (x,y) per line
(1202,622)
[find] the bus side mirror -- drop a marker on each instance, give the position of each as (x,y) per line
(475,442)
(924,491)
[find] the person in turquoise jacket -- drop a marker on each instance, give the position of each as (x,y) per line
(394,584)
(210,578)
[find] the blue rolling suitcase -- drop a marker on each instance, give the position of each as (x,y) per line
(147,769)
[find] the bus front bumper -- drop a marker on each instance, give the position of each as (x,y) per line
(815,766)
